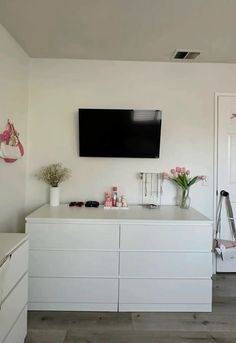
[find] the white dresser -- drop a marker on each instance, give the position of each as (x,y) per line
(91,259)
(13,287)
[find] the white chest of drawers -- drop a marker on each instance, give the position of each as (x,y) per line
(13,287)
(105,260)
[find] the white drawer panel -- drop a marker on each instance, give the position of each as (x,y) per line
(12,307)
(73,263)
(158,264)
(206,307)
(73,290)
(111,307)
(165,291)
(17,267)
(19,330)
(176,237)
(73,236)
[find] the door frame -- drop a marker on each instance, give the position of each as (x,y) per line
(216,128)
(215,168)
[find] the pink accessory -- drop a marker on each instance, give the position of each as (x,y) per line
(5,136)
(11,148)
(108,201)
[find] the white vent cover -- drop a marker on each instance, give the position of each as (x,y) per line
(185,54)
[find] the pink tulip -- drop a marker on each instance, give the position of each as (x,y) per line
(173,171)
(203,177)
(178,169)
(183,170)
(187,172)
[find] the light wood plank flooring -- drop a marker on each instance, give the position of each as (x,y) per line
(93,327)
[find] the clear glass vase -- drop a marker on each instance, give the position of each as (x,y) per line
(184,199)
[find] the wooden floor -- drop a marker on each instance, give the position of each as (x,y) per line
(93,327)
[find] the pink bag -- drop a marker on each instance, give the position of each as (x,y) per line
(11,148)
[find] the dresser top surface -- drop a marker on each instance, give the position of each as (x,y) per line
(9,242)
(133,213)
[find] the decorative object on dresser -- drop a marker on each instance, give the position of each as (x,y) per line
(113,201)
(181,177)
(76,204)
(136,260)
(53,175)
(13,287)
(151,188)
(92,203)
(108,200)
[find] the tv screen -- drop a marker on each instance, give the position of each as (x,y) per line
(119,133)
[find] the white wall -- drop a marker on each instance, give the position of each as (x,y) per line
(183,91)
(14,65)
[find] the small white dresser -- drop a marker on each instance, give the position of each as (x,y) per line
(91,259)
(13,287)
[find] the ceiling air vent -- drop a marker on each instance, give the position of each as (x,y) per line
(185,55)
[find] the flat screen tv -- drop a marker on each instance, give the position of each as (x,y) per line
(119,133)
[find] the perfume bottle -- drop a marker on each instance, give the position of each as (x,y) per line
(114,196)
(123,201)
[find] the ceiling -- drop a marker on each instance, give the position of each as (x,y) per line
(137,30)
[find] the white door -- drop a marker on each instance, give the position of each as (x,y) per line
(227,166)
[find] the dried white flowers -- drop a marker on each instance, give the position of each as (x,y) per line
(53,174)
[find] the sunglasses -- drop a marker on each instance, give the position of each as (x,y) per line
(77,204)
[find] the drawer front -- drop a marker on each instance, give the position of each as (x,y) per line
(165,291)
(17,267)
(206,307)
(160,264)
(73,236)
(63,290)
(19,330)
(73,263)
(176,237)
(12,307)
(101,307)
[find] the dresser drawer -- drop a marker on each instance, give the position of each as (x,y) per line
(73,263)
(166,237)
(72,290)
(168,291)
(12,307)
(165,264)
(73,236)
(16,268)
(19,330)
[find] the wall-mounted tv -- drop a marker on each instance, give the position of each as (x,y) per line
(119,133)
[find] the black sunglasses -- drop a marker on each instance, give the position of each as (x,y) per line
(77,204)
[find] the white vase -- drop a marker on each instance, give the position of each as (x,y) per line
(54,196)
